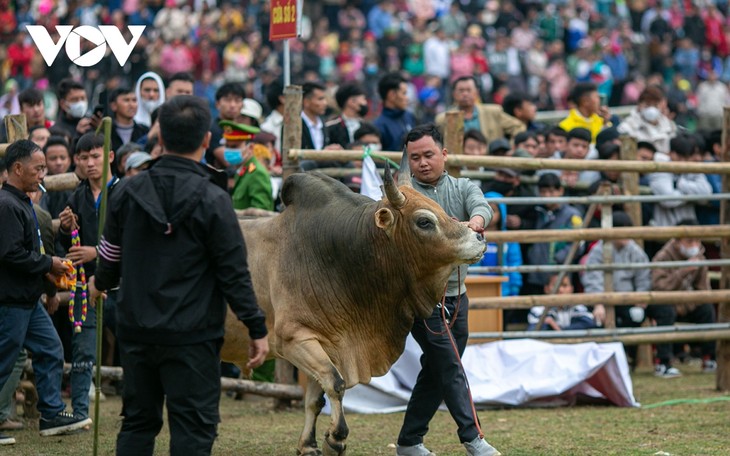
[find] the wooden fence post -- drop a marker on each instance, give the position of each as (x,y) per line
(291,139)
(16,127)
(723,349)
(292,134)
(630,186)
(454,138)
(630,182)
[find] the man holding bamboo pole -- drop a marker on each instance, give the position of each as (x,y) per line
(171,232)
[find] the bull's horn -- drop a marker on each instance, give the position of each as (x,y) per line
(404,175)
(395,196)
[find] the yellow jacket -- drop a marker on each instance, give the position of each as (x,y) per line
(594,123)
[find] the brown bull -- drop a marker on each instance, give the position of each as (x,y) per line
(341,279)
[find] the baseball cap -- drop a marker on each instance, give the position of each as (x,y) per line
(508,172)
(251,108)
(499,145)
(137,159)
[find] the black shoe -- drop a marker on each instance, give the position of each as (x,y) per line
(6,440)
(63,423)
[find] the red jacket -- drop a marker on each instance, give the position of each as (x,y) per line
(20,56)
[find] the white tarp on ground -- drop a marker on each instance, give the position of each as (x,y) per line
(525,372)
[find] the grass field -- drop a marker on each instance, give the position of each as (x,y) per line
(251,427)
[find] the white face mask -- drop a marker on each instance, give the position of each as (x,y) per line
(150,105)
(651,114)
(78,109)
(689,252)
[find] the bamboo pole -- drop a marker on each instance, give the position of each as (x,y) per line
(614,299)
(279,391)
(16,128)
(723,315)
(697,335)
(594,234)
(553,117)
(292,133)
(491,161)
(630,182)
(275,390)
(61,182)
(106,126)
(597,267)
(603,199)
(469,173)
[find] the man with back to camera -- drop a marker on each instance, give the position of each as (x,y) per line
(171,232)
(26,272)
(442,377)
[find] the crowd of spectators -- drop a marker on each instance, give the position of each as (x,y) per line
(533,47)
(371,70)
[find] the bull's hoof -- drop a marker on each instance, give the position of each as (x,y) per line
(334,448)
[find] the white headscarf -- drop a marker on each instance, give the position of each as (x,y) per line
(143,113)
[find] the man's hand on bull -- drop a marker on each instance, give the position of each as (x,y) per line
(257,351)
(476,224)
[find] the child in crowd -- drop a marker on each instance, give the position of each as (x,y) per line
(561,318)
(511,254)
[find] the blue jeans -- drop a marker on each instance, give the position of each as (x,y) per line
(8,391)
(83,356)
(32,329)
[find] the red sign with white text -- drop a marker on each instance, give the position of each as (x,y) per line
(283,21)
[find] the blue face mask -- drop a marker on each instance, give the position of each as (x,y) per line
(233,156)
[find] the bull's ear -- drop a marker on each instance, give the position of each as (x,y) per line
(384,219)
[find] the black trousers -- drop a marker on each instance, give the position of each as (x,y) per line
(666,315)
(187,377)
(441,377)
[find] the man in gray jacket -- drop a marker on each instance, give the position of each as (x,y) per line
(624,251)
(442,378)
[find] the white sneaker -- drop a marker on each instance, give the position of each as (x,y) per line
(709,366)
(6,440)
(415,450)
(661,370)
(480,447)
(92,394)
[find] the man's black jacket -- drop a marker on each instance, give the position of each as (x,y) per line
(83,204)
(22,266)
(173,236)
